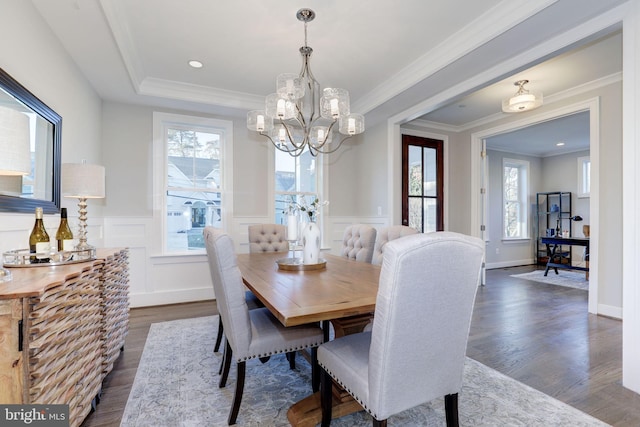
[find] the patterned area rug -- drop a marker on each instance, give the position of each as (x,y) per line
(177,385)
(570,279)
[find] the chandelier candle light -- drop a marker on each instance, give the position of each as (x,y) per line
(296,118)
(83,181)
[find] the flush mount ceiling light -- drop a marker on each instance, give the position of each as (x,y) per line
(523,100)
(299,117)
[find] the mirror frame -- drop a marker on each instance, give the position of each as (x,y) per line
(22,204)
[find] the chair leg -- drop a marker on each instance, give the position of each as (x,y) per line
(219,337)
(377,423)
(326,398)
(226,365)
(291,357)
(315,370)
(237,398)
(451,409)
(224,355)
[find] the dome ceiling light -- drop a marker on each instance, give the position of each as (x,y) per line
(523,100)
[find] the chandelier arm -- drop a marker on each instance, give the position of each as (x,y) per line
(279,146)
(290,136)
(335,148)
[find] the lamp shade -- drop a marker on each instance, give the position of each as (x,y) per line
(15,150)
(81,180)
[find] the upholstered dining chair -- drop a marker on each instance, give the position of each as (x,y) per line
(358,241)
(262,238)
(250,333)
(268,238)
(420,330)
(387,234)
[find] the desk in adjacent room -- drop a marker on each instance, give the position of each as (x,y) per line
(553,244)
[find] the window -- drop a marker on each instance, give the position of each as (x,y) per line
(192,179)
(515,187)
(584,176)
(297,179)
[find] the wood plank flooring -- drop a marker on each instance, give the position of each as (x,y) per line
(538,334)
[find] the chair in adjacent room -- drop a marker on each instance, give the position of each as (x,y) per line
(250,333)
(358,242)
(387,234)
(420,330)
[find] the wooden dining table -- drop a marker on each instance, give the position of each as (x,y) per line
(343,291)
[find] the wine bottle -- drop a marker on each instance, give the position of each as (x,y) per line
(39,240)
(64,235)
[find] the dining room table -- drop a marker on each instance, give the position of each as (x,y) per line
(337,290)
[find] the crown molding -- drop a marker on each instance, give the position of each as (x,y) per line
(484,28)
(200,94)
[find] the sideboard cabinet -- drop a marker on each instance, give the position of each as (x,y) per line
(61,329)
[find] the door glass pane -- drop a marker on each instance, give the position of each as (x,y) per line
(415,171)
(415,213)
(430,170)
(430,216)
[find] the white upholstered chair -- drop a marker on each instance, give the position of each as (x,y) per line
(358,242)
(262,238)
(268,238)
(387,234)
(422,317)
(250,333)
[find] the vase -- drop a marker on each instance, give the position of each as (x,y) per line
(311,243)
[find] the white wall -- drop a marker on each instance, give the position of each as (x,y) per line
(30,53)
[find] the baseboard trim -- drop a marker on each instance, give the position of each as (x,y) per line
(505,264)
(170,297)
(610,311)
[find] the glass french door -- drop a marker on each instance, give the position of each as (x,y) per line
(422,183)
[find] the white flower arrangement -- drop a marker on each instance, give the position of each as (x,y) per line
(309,210)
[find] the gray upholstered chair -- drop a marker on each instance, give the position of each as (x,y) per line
(250,333)
(268,238)
(262,238)
(386,235)
(358,242)
(422,317)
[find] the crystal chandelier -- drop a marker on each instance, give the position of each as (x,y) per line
(299,117)
(523,100)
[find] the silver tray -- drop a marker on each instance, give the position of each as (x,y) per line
(22,257)
(295,264)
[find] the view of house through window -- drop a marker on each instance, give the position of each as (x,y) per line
(296,180)
(193,179)
(515,192)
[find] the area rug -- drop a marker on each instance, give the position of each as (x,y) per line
(176,385)
(570,279)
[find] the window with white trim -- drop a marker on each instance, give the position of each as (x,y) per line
(584,176)
(515,193)
(192,179)
(298,180)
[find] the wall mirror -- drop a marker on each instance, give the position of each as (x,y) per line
(30,150)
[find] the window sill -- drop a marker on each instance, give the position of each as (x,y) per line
(516,240)
(182,258)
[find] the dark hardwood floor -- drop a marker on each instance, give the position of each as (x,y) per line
(538,334)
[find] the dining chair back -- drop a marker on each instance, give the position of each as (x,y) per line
(420,329)
(250,333)
(387,234)
(358,242)
(268,238)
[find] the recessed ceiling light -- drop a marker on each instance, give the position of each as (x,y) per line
(559,144)
(195,64)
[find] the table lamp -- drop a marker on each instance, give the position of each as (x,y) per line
(83,181)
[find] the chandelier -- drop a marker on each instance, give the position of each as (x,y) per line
(298,117)
(523,100)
